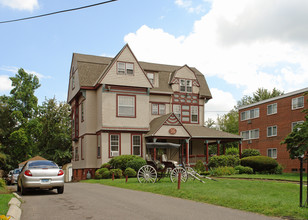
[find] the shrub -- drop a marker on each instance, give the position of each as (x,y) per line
(106,165)
(199,167)
(136,163)
(106,174)
(232,151)
(276,170)
(99,172)
(118,173)
(242,169)
(223,161)
(2,183)
(222,171)
(120,162)
(250,152)
(259,163)
(130,172)
(205,173)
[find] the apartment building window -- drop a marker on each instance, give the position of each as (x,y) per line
(114,142)
(126,106)
(272,152)
(298,102)
(250,114)
(251,134)
(125,68)
(272,109)
(272,131)
(136,145)
(151,77)
(98,146)
(194,114)
(296,123)
(158,109)
(185,85)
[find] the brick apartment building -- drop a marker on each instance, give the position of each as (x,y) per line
(263,125)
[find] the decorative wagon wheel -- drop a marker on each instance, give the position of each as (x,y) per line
(147,174)
(175,173)
(190,171)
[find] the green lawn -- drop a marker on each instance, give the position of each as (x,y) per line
(4,199)
(284,176)
(265,197)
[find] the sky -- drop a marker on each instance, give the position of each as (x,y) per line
(239,45)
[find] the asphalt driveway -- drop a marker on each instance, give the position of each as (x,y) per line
(94,201)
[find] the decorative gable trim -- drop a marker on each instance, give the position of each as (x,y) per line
(172,120)
(175,80)
(114,62)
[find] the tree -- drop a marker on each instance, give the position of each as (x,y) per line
(259,95)
(297,140)
(55,139)
(210,123)
(229,122)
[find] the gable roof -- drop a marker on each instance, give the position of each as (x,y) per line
(173,74)
(91,69)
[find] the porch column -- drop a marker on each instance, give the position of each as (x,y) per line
(207,153)
(240,148)
(187,151)
(218,146)
(154,157)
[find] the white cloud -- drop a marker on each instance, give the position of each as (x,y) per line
(5,83)
(218,105)
(14,70)
(249,44)
(21,4)
(188,5)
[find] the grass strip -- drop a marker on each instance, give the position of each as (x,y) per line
(4,199)
(264,197)
(285,176)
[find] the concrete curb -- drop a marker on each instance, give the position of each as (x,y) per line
(14,208)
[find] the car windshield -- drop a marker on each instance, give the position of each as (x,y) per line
(42,164)
(17,171)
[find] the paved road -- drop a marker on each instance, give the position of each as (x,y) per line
(84,201)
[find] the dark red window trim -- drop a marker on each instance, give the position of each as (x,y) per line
(125,73)
(81,148)
(131,145)
(117,110)
(187,122)
(109,147)
(158,104)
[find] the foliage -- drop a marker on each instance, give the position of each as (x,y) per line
(250,152)
(297,140)
(210,123)
(130,172)
(229,122)
(106,165)
(2,183)
(232,151)
(222,171)
(3,217)
(244,170)
(259,163)
(118,173)
(106,174)
(222,161)
(199,167)
(259,95)
(121,161)
(136,164)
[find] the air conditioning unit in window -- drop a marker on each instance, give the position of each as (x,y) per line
(249,122)
(249,141)
(114,153)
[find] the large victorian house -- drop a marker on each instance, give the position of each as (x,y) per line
(120,104)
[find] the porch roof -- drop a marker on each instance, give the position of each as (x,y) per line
(201,132)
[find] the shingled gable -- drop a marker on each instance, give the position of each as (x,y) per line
(178,74)
(109,76)
(169,120)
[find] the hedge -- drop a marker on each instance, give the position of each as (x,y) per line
(224,161)
(259,163)
(244,170)
(136,164)
(120,162)
(250,152)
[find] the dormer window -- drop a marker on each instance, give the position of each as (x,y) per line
(125,68)
(185,85)
(151,77)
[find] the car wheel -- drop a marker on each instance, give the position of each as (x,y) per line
(60,190)
(23,190)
